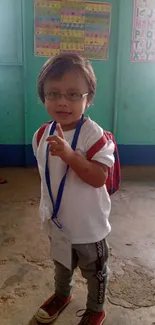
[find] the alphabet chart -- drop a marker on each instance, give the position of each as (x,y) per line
(77,26)
(143,35)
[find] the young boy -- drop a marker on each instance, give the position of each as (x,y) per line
(78,203)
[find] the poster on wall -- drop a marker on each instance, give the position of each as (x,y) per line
(76,26)
(143,34)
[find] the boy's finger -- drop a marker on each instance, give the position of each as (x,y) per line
(59,131)
(54,138)
(53,145)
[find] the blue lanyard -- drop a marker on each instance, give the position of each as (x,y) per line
(56,205)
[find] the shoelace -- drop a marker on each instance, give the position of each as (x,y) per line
(86,315)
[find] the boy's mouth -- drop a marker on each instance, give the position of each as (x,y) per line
(63,113)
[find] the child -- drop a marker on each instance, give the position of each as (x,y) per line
(66,86)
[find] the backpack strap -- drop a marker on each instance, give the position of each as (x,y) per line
(41,132)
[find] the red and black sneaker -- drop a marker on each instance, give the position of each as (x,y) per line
(93,318)
(51,309)
(3,181)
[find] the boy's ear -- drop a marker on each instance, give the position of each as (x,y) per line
(89,100)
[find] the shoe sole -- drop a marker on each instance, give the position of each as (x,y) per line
(53,318)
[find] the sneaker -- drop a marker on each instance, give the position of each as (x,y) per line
(3,181)
(51,309)
(93,318)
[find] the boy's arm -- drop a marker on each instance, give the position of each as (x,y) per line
(90,172)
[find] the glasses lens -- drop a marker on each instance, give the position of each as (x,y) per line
(52,96)
(73,97)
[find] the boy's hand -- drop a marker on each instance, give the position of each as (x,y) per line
(58,146)
(90,172)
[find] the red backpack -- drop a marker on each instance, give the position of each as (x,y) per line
(114,173)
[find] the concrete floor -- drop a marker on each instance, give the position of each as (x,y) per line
(26,271)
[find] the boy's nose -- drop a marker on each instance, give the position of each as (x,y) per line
(62,101)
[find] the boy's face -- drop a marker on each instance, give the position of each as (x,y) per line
(61,109)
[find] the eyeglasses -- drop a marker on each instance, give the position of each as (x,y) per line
(72,97)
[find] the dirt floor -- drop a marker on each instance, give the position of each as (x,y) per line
(26,271)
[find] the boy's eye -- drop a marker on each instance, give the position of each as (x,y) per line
(74,96)
(52,94)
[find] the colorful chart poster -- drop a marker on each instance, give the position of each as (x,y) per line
(143,35)
(76,26)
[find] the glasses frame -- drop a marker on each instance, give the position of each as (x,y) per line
(47,96)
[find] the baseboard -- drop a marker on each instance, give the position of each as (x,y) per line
(130,155)
(137,155)
(12,155)
(16,156)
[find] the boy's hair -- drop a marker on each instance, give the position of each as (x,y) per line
(57,66)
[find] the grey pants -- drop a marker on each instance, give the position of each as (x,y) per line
(92,260)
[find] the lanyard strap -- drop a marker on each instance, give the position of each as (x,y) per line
(56,205)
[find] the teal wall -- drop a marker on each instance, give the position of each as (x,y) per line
(125,97)
(11,74)
(135,89)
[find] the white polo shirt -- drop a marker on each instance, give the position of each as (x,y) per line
(84,210)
